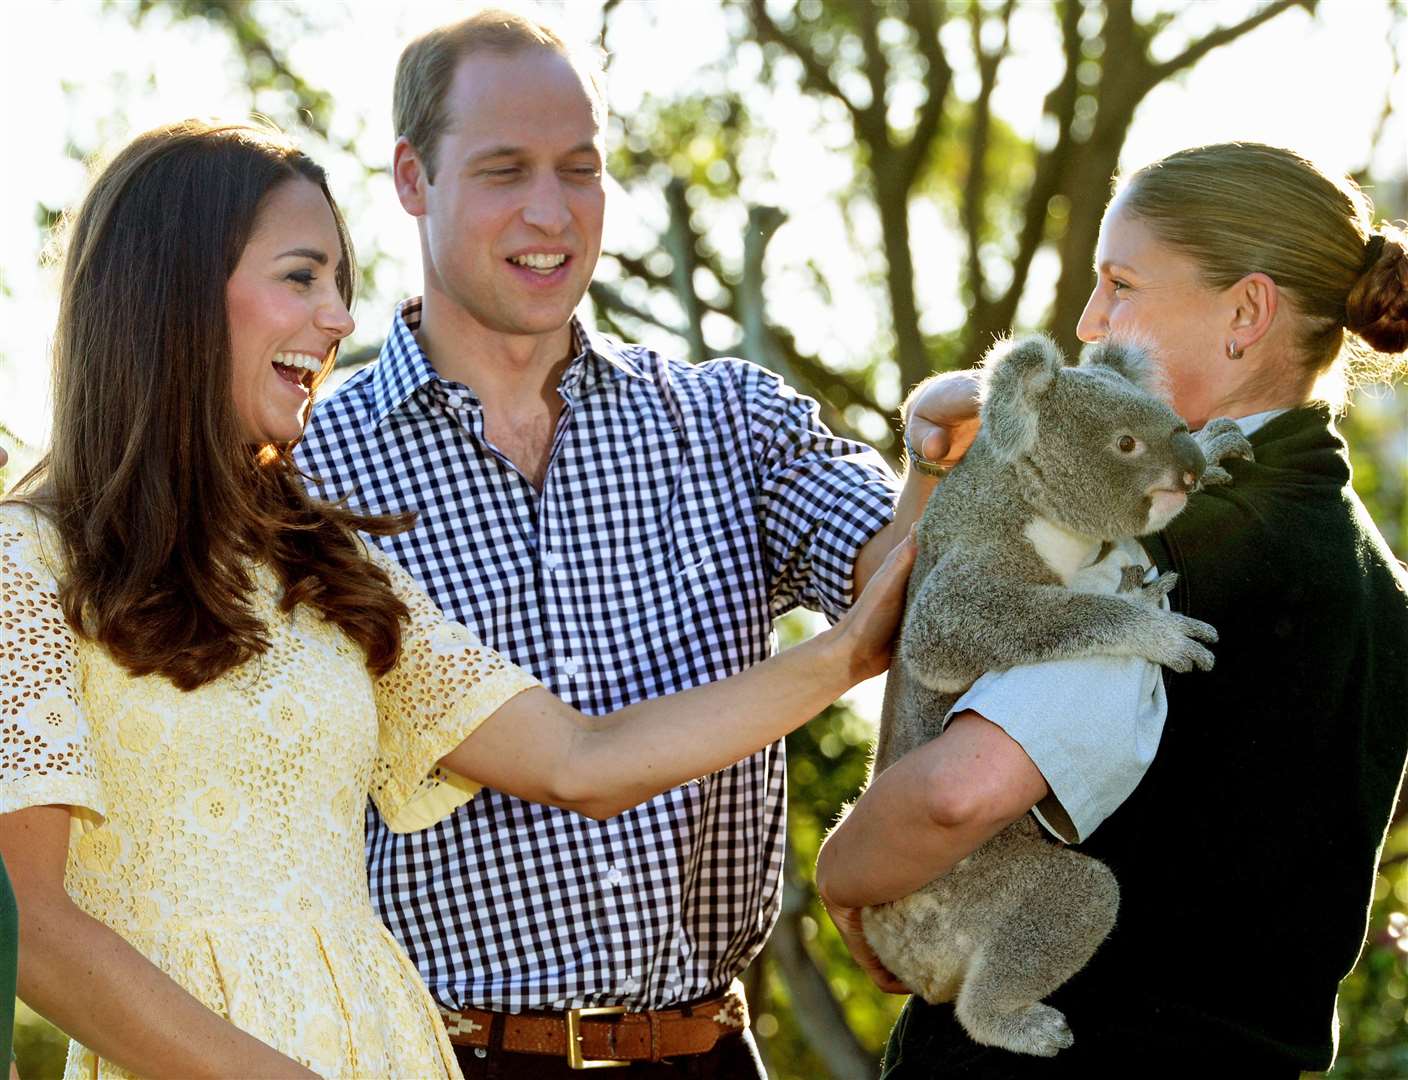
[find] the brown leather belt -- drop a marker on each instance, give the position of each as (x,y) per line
(604,1036)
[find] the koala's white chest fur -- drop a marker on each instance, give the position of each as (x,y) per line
(1062,550)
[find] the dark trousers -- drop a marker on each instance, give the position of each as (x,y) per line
(734,1057)
(927,1043)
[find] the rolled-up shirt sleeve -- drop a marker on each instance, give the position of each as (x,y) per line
(821,497)
(1091,725)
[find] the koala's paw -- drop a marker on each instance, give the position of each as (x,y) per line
(1180,649)
(1219,439)
(1156,590)
(1046,1031)
(1212,476)
(1131,578)
(1038,1029)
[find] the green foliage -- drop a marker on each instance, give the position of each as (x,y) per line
(40,1048)
(827,765)
(1377,431)
(1373,1006)
(1008,164)
(697,139)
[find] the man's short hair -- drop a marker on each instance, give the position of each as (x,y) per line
(428,64)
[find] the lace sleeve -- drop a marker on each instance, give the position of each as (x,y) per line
(44,753)
(445,685)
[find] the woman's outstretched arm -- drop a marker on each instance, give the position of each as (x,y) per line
(88,981)
(536,747)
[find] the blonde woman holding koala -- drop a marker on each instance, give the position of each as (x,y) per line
(1246,854)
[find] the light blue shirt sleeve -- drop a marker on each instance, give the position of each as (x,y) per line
(1090,725)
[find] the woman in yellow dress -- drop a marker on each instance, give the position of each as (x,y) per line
(204,673)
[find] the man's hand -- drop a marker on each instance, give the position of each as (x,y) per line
(941,415)
(848,922)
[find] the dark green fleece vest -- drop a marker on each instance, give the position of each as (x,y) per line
(1246,856)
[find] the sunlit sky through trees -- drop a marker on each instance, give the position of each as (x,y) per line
(79,77)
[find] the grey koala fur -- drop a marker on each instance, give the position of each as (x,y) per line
(1044,487)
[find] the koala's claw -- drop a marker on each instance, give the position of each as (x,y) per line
(1222,438)
(1048,1031)
(1212,476)
(1038,1029)
(1179,647)
(1196,628)
(1160,587)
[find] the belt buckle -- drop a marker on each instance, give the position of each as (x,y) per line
(575,1060)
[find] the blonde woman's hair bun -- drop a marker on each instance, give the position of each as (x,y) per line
(1376,309)
(1373,248)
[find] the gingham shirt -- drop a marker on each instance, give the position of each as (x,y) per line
(684,508)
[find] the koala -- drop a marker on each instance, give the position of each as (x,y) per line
(1068,461)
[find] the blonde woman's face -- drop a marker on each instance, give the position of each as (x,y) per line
(284,311)
(1148,292)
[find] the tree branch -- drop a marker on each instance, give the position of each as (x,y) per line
(636,268)
(682,241)
(763,221)
(926,28)
(872,119)
(611,299)
(606,9)
(814,1005)
(814,70)
(976,181)
(1060,105)
(1223,36)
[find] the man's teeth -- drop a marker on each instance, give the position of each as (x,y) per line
(539,262)
(300,360)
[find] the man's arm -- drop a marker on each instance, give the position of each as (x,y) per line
(941,415)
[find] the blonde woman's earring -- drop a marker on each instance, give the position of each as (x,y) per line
(1234,351)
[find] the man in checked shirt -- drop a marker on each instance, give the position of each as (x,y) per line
(620,524)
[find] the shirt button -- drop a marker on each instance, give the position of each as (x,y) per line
(630,985)
(569,667)
(613,877)
(552,560)
(456,401)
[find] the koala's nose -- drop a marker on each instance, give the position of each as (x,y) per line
(1189,458)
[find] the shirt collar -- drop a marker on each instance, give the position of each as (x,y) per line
(1250,424)
(402,368)
(599,357)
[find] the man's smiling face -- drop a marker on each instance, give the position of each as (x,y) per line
(512,220)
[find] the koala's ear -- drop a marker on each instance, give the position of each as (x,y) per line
(1126,358)
(1015,376)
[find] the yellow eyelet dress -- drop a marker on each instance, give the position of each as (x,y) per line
(220,830)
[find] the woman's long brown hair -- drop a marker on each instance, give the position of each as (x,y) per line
(162,506)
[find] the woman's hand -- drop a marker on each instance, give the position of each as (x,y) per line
(848,923)
(941,416)
(866,633)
